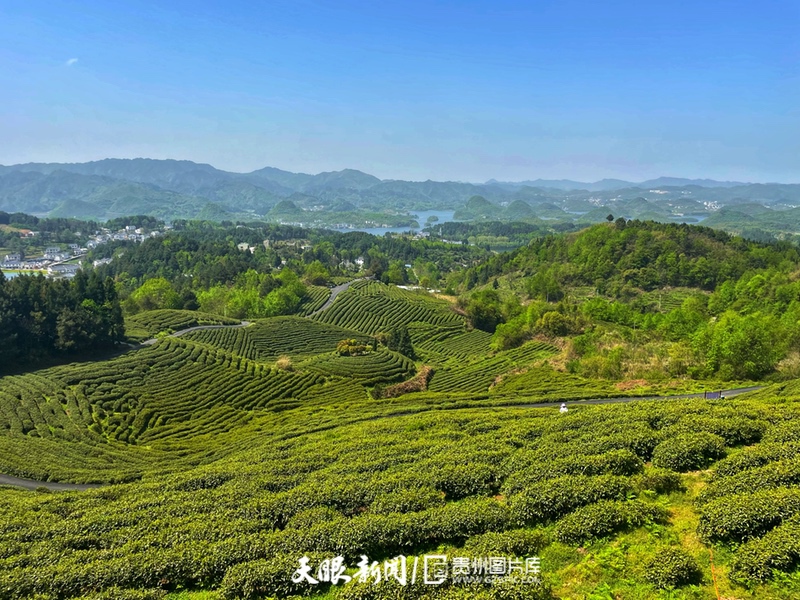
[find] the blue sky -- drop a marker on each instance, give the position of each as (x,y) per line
(410,90)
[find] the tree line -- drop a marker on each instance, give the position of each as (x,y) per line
(42,317)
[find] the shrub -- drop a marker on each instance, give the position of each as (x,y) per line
(689,451)
(671,568)
(259,578)
(604,518)
(783,432)
(614,462)
(116,593)
(384,590)
(553,498)
(351,347)
(661,481)
(419,383)
(773,475)
(756,561)
(403,501)
(306,519)
(459,481)
(734,430)
(515,588)
(208,481)
(743,516)
(284,363)
(516,542)
(457,521)
(756,456)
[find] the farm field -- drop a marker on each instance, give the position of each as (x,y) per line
(150,323)
(228,453)
(370,307)
(268,339)
(625,484)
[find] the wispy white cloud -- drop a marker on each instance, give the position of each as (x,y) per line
(71,62)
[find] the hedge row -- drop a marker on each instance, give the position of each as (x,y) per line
(689,451)
(606,517)
(756,561)
(745,516)
(554,498)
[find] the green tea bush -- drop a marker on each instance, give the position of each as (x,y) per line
(688,452)
(386,590)
(306,519)
(460,481)
(615,462)
(207,481)
(779,550)
(756,456)
(604,518)
(261,578)
(371,307)
(457,521)
(403,501)
(773,475)
(736,431)
(154,321)
(116,593)
(661,481)
(515,588)
(515,542)
(672,568)
(553,498)
(744,516)
(785,432)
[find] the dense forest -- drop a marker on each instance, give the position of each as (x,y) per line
(643,300)
(635,254)
(42,317)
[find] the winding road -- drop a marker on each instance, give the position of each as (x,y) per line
(623,399)
(32,484)
(181,332)
(335,291)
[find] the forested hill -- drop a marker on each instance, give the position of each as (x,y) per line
(636,254)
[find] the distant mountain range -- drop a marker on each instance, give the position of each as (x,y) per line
(173,189)
(616,184)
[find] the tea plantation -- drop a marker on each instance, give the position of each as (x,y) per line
(230,453)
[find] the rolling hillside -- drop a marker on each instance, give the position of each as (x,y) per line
(227,452)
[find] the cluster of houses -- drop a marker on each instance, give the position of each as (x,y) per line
(129,233)
(56,259)
(53,262)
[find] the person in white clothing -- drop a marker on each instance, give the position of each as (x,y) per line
(563,408)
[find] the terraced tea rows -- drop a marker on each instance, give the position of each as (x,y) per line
(382,366)
(478,376)
(268,339)
(316,296)
(237,341)
(452,341)
(152,322)
(155,397)
(475,483)
(371,307)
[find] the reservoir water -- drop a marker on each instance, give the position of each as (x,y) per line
(421,216)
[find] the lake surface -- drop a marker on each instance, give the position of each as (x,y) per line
(11,274)
(421,218)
